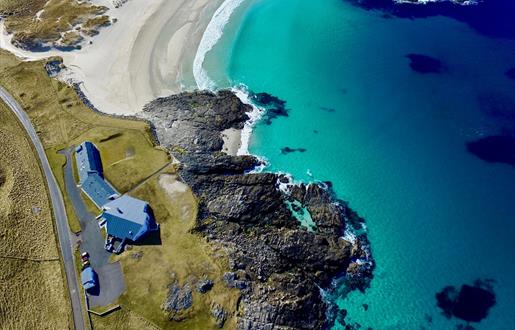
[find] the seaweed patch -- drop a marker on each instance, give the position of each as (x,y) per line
(471,12)
(275,107)
(425,64)
(510,73)
(494,149)
(470,303)
(287,150)
(326,109)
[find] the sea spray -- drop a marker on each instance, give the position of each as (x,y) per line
(254,116)
(212,34)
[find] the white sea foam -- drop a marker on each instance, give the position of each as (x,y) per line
(254,116)
(349,236)
(212,34)
(284,187)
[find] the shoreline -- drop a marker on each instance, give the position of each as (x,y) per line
(254,221)
(146,54)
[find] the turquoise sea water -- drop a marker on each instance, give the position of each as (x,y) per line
(392,142)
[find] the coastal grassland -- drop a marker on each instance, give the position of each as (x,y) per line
(129,154)
(132,162)
(57,162)
(181,256)
(35,23)
(32,289)
(120,320)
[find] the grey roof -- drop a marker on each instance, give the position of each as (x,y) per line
(125,217)
(98,190)
(128,218)
(129,208)
(88,278)
(88,160)
(91,176)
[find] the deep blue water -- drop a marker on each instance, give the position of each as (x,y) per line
(393,137)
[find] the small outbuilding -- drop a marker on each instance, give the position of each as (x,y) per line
(88,278)
(128,219)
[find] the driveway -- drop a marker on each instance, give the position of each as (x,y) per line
(110,275)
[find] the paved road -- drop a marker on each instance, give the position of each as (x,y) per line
(63,231)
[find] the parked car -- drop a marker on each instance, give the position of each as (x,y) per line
(84,256)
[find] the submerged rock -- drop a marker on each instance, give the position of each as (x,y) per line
(510,73)
(493,18)
(326,109)
(278,266)
(494,149)
(275,107)
(469,303)
(288,150)
(425,64)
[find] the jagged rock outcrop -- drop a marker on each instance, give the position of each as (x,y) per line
(219,315)
(178,300)
(205,285)
(279,266)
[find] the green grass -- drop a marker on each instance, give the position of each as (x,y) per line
(92,25)
(21,7)
(129,156)
(57,16)
(121,320)
(61,120)
(32,289)
(181,253)
(57,163)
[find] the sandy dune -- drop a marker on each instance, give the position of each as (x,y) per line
(145,54)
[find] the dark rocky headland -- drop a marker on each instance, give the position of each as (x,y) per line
(279,267)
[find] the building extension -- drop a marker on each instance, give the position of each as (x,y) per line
(125,218)
(91,175)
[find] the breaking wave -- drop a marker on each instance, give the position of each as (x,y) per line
(213,33)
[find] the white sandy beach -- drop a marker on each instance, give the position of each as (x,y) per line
(232,141)
(142,56)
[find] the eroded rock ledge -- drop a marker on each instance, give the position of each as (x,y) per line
(279,266)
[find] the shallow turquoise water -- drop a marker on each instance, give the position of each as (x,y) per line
(394,146)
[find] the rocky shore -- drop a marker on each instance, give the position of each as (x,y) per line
(280,267)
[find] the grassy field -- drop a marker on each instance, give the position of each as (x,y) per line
(121,320)
(53,22)
(61,120)
(32,289)
(130,160)
(181,255)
